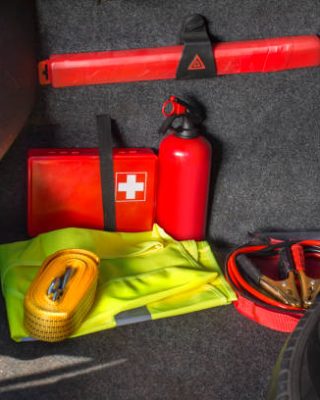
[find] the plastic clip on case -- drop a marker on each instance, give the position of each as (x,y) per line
(64,189)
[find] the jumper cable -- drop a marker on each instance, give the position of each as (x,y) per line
(285,293)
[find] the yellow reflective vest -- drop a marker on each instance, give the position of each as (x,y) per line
(142,276)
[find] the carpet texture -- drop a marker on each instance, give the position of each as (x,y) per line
(265,133)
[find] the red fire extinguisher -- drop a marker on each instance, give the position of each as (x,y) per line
(184,173)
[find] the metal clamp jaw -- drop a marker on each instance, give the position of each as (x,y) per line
(284,290)
(309,287)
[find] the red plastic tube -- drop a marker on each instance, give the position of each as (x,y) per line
(265,55)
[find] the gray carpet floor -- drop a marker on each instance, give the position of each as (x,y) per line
(265,133)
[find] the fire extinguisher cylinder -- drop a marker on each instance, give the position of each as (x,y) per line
(184,176)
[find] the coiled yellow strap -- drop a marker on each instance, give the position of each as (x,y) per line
(61,295)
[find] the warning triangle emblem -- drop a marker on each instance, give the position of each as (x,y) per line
(196,64)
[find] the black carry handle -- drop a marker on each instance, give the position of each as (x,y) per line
(197,59)
(286,263)
(249,268)
(107,171)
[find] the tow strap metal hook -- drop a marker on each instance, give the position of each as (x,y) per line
(58,284)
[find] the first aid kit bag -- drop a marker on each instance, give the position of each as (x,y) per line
(65,189)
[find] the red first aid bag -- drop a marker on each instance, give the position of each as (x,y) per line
(67,188)
(64,189)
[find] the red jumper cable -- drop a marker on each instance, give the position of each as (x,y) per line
(283,293)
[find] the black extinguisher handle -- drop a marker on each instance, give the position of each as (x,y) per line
(175,108)
(167,124)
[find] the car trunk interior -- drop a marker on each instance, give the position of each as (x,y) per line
(264,130)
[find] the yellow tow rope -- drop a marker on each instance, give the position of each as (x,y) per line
(61,295)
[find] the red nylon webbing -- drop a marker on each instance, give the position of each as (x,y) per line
(282,322)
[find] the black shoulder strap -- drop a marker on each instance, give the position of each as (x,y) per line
(197,59)
(106,171)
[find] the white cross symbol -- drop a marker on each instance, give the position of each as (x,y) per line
(131,187)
